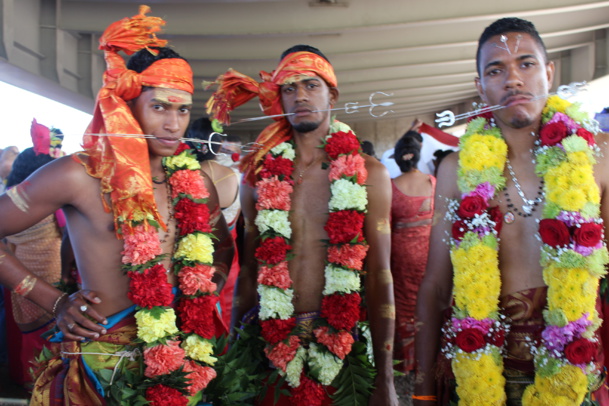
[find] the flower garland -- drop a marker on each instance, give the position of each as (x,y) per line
(573,256)
(172,357)
(307,369)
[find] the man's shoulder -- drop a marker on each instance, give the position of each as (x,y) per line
(69,170)
(376,170)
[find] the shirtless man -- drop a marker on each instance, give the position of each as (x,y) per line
(80,184)
(305,86)
(514,72)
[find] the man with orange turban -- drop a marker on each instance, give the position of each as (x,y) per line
(316,224)
(150,243)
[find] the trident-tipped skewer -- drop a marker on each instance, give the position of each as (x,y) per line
(447,118)
(245,148)
(350,108)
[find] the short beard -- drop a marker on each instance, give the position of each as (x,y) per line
(306,127)
(518,123)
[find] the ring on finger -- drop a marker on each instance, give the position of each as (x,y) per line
(71,326)
(83,308)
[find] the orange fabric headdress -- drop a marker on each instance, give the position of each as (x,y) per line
(236,89)
(122,164)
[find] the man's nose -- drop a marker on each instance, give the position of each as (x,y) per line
(301,93)
(513,79)
(172,123)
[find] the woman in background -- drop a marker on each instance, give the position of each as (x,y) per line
(38,248)
(411,217)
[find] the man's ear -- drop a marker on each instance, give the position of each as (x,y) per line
(550,69)
(333,95)
(480,90)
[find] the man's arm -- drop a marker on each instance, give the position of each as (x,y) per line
(379,283)
(435,291)
(245,290)
(43,193)
(224,248)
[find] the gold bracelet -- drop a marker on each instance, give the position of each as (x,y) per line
(64,294)
(26,285)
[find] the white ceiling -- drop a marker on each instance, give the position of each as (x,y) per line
(420,51)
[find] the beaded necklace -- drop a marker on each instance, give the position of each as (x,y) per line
(573,256)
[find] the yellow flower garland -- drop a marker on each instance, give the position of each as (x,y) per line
(571,271)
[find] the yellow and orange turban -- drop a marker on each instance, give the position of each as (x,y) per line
(122,164)
(236,89)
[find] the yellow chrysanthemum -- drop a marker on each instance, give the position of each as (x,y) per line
(481,152)
(182,161)
(571,200)
(151,329)
(578,159)
(479,380)
(196,247)
(199,349)
(555,103)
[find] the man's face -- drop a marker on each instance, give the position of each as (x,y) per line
(512,78)
(164,113)
(304,98)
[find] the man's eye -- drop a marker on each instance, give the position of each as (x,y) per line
(493,72)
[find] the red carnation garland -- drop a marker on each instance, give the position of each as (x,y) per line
(347,249)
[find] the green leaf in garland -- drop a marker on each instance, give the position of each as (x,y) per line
(355,382)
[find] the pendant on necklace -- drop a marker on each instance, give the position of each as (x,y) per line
(509,217)
(527,209)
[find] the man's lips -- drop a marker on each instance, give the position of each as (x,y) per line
(168,141)
(516,99)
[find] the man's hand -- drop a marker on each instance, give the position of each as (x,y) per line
(384,393)
(71,315)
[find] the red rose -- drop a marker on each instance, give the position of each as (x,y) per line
(192,217)
(581,351)
(553,232)
(196,315)
(150,288)
(308,393)
(497,339)
(161,395)
(459,229)
(276,167)
(587,135)
(181,148)
(341,311)
(471,205)
(588,235)
(341,143)
(553,133)
(275,330)
(345,226)
(470,339)
(273,250)
(497,217)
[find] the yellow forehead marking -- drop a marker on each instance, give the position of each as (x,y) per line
(171,97)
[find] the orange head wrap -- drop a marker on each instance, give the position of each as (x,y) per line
(122,164)
(236,89)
